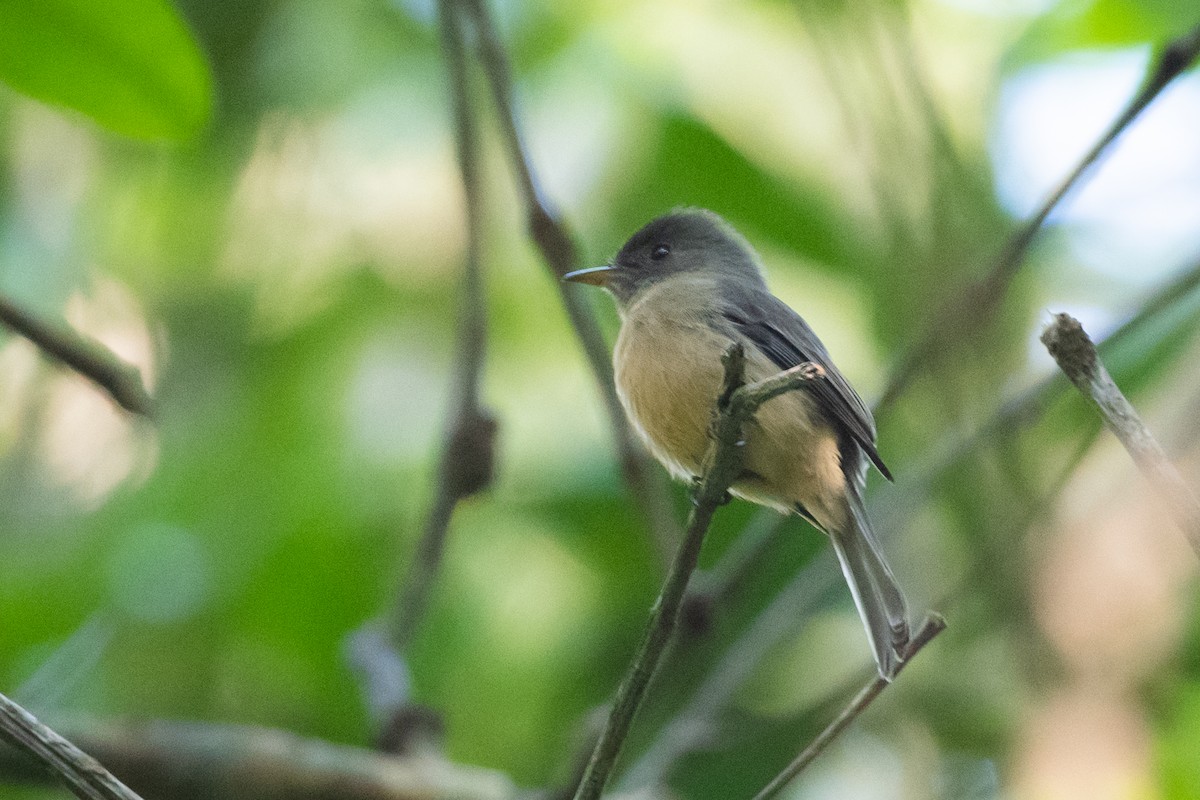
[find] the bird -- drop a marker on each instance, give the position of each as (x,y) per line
(687,285)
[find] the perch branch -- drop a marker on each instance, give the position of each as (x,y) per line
(646,483)
(84,776)
(931,627)
(697,722)
(1077,358)
(736,405)
(975,304)
(121,381)
(199,761)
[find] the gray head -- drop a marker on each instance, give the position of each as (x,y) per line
(689,240)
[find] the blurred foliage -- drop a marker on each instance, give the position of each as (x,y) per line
(1088,24)
(287,280)
(131,65)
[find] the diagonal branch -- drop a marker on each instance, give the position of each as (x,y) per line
(722,464)
(932,626)
(1174,60)
(84,776)
(1077,357)
(552,239)
(89,358)
(970,309)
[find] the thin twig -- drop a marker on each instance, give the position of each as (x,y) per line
(932,626)
(722,463)
(467,458)
(1174,60)
(121,381)
(84,776)
(1077,358)
(970,309)
(646,483)
(201,761)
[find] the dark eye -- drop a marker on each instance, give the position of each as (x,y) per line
(660,252)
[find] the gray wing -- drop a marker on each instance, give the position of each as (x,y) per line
(785,338)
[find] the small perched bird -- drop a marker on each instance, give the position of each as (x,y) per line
(687,285)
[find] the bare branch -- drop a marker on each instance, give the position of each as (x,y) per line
(199,761)
(971,308)
(84,776)
(646,482)
(467,459)
(121,381)
(1077,357)
(722,463)
(931,627)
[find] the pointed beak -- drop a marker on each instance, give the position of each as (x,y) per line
(596,276)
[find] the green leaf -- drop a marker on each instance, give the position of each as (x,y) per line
(131,65)
(1102,25)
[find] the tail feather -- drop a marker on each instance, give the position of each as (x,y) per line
(876,593)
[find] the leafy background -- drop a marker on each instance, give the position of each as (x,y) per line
(257,203)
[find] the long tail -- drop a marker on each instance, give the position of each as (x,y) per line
(876,593)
